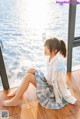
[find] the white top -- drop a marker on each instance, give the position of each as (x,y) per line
(56,76)
(51,67)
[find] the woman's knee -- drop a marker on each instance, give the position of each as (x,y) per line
(30,76)
(31,70)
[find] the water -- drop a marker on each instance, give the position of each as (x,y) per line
(24,24)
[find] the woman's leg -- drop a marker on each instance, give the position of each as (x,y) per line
(13,93)
(29,78)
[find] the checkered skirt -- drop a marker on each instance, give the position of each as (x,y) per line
(45,93)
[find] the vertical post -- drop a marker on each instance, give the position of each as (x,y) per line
(3,73)
(71,31)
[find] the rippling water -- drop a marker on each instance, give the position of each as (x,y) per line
(24,24)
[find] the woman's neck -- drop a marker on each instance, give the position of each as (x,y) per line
(51,56)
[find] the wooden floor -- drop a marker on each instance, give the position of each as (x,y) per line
(30,109)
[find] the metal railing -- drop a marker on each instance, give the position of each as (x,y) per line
(72,42)
(3,74)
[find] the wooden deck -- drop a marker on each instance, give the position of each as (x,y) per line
(30,109)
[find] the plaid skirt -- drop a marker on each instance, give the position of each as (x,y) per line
(45,93)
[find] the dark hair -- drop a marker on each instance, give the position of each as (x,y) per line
(55,44)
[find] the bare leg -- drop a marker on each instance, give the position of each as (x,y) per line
(13,93)
(29,78)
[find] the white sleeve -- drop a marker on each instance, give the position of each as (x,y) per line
(66,94)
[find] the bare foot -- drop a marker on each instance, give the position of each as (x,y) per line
(12,93)
(11,102)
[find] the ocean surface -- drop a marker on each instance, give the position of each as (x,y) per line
(24,26)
